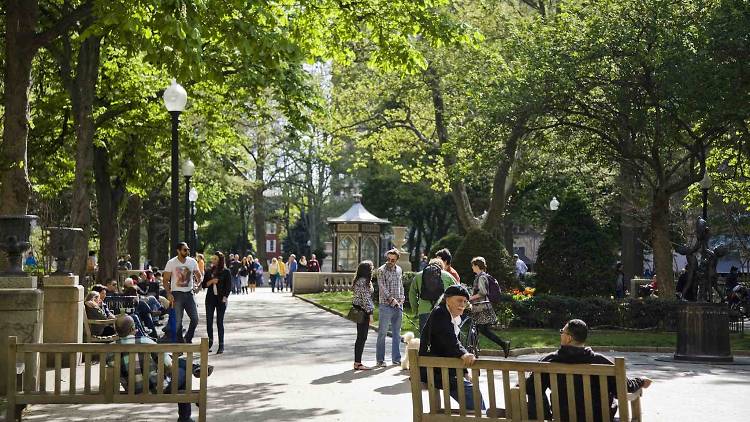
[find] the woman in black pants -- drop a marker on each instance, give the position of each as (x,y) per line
(363,300)
(218,283)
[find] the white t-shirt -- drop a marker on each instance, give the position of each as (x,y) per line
(181,278)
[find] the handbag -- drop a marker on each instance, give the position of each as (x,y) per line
(483,314)
(356,314)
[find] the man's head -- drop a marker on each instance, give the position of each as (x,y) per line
(574,333)
(111,285)
(124,326)
(183,250)
(127,283)
(515,256)
(437,261)
(392,256)
(101,290)
(313,257)
(445,255)
(456,299)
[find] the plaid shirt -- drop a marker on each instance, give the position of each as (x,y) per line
(139,358)
(390,284)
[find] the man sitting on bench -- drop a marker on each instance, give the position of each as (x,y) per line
(573,350)
(126,330)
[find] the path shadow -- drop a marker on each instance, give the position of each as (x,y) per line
(346,377)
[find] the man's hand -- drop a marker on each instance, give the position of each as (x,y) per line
(170,298)
(468,359)
(646,382)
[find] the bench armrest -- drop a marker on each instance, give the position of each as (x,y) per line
(102,321)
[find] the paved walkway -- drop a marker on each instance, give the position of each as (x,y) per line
(287,360)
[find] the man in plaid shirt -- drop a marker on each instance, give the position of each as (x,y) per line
(126,330)
(391,294)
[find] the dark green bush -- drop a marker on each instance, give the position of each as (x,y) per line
(546,311)
(478,242)
(575,257)
(451,242)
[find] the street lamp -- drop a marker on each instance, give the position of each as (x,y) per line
(193,197)
(554,204)
(188,169)
(705,186)
(175,98)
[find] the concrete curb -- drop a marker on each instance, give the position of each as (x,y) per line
(540,350)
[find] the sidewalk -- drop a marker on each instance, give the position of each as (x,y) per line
(287,360)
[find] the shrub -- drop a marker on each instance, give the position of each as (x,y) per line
(478,242)
(451,242)
(575,257)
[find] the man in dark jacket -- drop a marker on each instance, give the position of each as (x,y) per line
(573,350)
(440,338)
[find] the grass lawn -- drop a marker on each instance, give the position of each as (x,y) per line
(530,337)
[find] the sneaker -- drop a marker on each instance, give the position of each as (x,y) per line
(380,365)
(197,371)
(396,363)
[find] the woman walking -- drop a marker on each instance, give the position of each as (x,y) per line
(218,283)
(252,273)
(273,272)
(483,313)
(363,300)
(244,273)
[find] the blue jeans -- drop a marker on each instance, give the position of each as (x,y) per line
(469,391)
(389,316)
(185,301)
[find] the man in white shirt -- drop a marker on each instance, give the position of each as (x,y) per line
(521,268)
(181,275)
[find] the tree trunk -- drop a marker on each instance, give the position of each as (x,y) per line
(108,200)
(134,218)
(259,215)
(661,244)
(157,246)
(20,49)
(82,93)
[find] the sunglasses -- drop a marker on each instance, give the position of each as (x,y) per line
(185,250)
(562,331)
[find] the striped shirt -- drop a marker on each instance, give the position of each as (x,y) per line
(390,285)
(139,358)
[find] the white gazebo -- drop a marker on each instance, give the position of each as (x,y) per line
(357,236)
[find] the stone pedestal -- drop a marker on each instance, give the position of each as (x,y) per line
(63,313)
(399,239)
(21,314)
(703,333)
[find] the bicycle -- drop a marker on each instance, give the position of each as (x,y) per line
(470,337)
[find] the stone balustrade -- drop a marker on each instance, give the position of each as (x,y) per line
(304,282)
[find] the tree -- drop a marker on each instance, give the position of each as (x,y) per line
(480,243)
(575,257)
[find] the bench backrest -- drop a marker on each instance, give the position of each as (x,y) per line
(118,303)
(101,383)
(516,406)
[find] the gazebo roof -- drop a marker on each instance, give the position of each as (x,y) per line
(358,214)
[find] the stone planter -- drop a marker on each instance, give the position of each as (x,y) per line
(62,242)
(15,231)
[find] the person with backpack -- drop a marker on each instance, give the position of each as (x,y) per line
(486,289)
(426,288)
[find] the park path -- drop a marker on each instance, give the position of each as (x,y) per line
(287,360)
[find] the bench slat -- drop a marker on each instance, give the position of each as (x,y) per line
(622,390)
(189,371)
(58,372)
(587,401)
(160,373)
(431,393)
(553,368)
(42,372)
(506,390)
(461,392)
(539,396)
(446,393)
(555,397)
(116,371)
(604,397)
(492,410)
(475,391)
(72,359)
(523,405)
(147,374)
(203,401)
(572,416)
(131,374)
(87,373)
(175,367)
(108,348)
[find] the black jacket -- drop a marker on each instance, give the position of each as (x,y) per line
(224,287)
(573,354)
(439,339)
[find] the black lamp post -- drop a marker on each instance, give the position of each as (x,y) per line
(188,169)
(175,99)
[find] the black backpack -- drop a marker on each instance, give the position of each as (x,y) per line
(432,283)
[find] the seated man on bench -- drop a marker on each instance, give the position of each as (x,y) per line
(440,338)
(573,350)
(126,330)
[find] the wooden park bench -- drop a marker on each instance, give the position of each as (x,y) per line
(88,337)
(516,406)
(108,389)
